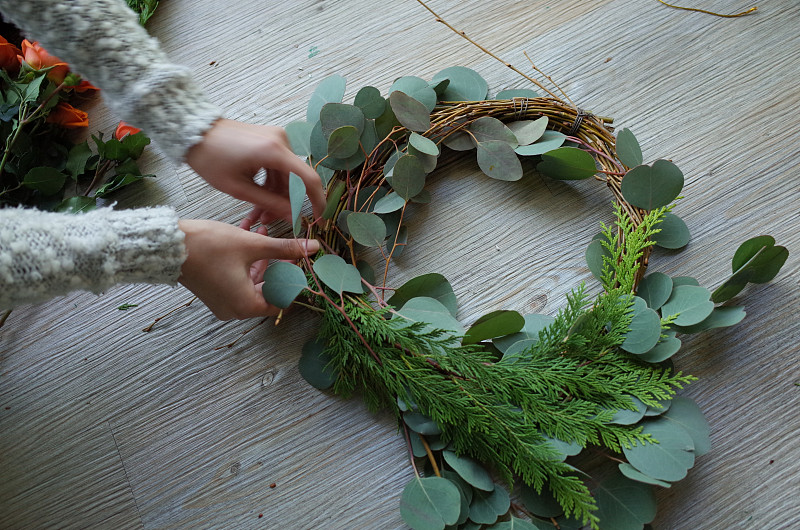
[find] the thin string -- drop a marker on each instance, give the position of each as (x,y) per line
(523,107)
(743,13)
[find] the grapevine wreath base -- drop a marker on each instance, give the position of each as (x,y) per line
(503,404)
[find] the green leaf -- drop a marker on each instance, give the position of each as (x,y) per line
(386,122)
(337,274)
(439,86)
(314,365)
(391,202)
(330,90)
(431,311)
(630,417)
(334,196)
(370,101)
(430,503)
(367,229)
(366,271)
(684,280)
(117,182)
(495,324)
(761,267)
(433,285)
(421,424)
(486,507)
(596,256)
(567,163)
(335,115)
(32,90)
(634,474)
(687,414)
(297,194)
(749,249)
(528,131)
(77,205)
(299,133)
(655,289)
(325,173)
(534,323)
(423,197)
(623,504)
(397,241)
(549,141)
(498,160)
(691,304)
(542,504)
(517,93)
(670,458)
(644,332)
(663,350)
(486,129)
(343,142)
(114,150)
(463,488)
(459,141)
(652,187)
(423,145)
(628,150)
(720,317)
(47,180)
(564,449)
(135,144)
(412,114)
(319,151)
(517,524)
(465,84)
(417,88)
(470,470)
(408,176)
(282,283)
(78,156)
(428,161)
(674,232)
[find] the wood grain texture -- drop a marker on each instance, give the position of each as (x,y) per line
(104,426)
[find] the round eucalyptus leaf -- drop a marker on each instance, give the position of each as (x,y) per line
(386,122)
(652,187)
(341,221)
(687,414)
(430,503)
(314,365)
(329,90)
(495,324)
(411,114)
(456,479)
(596,255)
(534,323)
(459,141)
(749,249)
(655,289)
(549,141)
(516,93)
(465,84)
(297,194)
(397,241)
(470,470)
(423,145)
(644,332)
(487,128)
(319,150)
(670,458)
(431,311)
(421,424)
(498,160)
(439,86)
(564,449)
(299,133)
(325,174)
(390,202)
(408,176)
(567,163)
(634,474)
(542,504)
(623,504)
(684,280)
(528,131)
(369,138)
(658,411)
(663,350)
(423,197)
(337,274)
(367,229)
(519,352)
(282,283)
(761,268)
(433,285)
(343,142)
(630,417)
(366,271)
(370,101)
(417,88)
(487,506)
(674,232)
(428,161)
(367,196)
(417,447)
(518,524)
(628,150)
(720,317)
(691,304)
(335,115)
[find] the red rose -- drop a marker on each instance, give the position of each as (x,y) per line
(8,56)
(123,130)
(38,58)
(68,116)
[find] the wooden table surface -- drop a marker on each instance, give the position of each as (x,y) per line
(104,426)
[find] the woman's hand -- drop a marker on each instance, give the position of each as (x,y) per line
(225,265)
(232,153)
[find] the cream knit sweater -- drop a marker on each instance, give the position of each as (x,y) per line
(44,254)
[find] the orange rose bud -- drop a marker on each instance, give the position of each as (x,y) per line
(38,58)
(85,86)
(123,130)
(68,116)
(8,56)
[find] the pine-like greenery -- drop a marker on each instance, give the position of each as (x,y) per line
(568,385)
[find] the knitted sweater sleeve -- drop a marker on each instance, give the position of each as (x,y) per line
(103,41)
(45,254)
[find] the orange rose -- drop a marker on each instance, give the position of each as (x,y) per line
(38,58)
(123,130)
(85,86)
(68,116)
(8,56)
